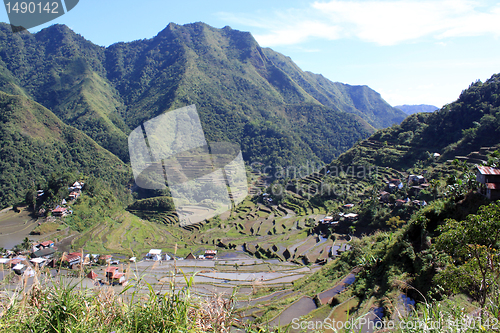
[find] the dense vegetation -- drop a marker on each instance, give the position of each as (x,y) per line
(444,255)
(53,305)
(279,114)
(35,144)
(245,94)
(458,128)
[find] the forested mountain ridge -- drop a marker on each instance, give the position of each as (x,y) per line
(35,144)
(242,91)
(63,72)
(458,129)
(359,100)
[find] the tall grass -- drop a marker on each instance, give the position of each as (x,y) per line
(59,305)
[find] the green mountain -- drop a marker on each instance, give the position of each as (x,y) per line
(411,109)
(244,93)
(358,100)
(35,144)
(458,129)
(63,72)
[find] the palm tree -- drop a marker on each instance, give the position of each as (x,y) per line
(26,244)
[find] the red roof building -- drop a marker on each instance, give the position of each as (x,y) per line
(60,211)
(114,276)
(48,243)
(72,258)
(105,258)
(92,275)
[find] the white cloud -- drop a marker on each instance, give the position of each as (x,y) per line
(381,22)
(298,32)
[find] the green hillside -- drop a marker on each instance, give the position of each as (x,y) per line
(36,144)
(458,129)
(435,253)
(62,71)
(244,93)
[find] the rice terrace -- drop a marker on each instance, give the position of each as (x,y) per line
(164,177)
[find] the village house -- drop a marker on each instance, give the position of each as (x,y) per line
(154,254)
(489,181)
(351,217)
(114,276)
(38,262)
(60,211)
(46,245)
(210,254)
(394,184)
(92,275)
(15,261)
(400,202)
(384,196)
(19,268)
(104,259)
(326,220)
(46,253)
(77,186)
(73,258)
(416,179)
(4,263)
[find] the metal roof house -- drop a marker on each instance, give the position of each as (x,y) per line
(489,181)
(154,254)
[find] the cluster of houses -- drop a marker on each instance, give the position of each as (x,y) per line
(60,210)
(334,220)
(25,262)
(266,198)
(416,183)
(487,178)
(42,254)
(23,265)
(20,264)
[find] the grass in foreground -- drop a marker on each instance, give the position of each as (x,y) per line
(55,306)
(52,305)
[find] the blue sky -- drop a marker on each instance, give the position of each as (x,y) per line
(410,51)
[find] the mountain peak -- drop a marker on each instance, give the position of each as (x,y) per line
(411,109)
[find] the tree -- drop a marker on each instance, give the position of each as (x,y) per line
(26,244)
(473,245)
(30,198)
(352,230)
(395,222)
